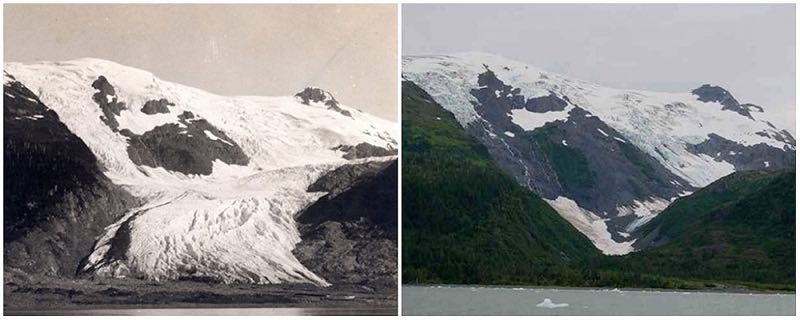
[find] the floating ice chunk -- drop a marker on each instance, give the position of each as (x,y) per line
(547,303)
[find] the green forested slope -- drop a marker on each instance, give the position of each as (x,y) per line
(739,228)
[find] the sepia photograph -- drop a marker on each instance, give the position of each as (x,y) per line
(200,159)
(598,159)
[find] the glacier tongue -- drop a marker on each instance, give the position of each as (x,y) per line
(239,230)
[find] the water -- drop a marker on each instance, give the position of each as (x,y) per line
(498,300)
(210,312)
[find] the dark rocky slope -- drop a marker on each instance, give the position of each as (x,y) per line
(56,196)
(350,235)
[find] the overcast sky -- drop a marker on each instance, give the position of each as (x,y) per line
(748,49)
(350,50)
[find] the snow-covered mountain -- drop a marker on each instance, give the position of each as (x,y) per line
(220,178)
(608,160)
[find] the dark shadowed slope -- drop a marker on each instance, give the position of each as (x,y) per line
(56,196)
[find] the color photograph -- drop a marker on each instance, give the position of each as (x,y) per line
(598,159)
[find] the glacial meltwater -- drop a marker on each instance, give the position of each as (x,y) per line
(503,300)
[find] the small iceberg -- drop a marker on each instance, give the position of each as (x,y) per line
(547,303)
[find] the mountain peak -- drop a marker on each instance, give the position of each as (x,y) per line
(711,93)
(316,96)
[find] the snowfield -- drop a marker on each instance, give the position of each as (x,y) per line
(236,224)
(659,123)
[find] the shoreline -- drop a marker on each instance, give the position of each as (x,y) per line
(743,291)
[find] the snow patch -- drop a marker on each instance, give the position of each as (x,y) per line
(509,133)
(215,138)
(643,210)
(529,121)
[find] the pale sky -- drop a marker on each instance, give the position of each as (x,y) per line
(268,50)
(747,49)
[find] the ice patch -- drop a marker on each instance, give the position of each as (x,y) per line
(548,304)
(766,164)
(509,133)
(529,121)
(564,142)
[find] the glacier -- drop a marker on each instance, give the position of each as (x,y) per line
(233,225)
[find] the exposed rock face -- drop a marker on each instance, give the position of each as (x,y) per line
(755,157)
(546,103)
(191,149)
(188,146)
(364,150)
(57,199)
(106,98)
(350,235)
(319,96)
(156,106)
(709,93)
